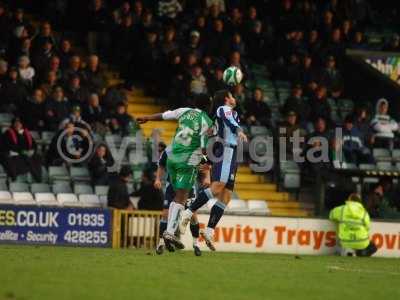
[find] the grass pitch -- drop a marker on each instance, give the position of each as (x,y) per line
(77,273)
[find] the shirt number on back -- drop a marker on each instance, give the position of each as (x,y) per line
(184,136)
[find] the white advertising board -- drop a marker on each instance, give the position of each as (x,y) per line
(290,235)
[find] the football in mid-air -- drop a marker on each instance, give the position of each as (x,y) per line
(232,76)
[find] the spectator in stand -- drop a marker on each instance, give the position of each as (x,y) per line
(237,45)
(42,57)
(169,43)
(69,146)
(150,198)
(76,118)
(138,12)
(235,60)
(49,83)
(335,46)
(94,76)
(114,96)
(75,92)
(297,103)
(320,106)
(217,41)
(259,43)
(197,82)
(12,92)
(358,42)
(3,70)
(25,49)
(99,164)
(318,147)
(362,123)
(57,108)
(194,45)
(383,126)
(353,147)
(95,115)
(19,152)
(66,53)
(393,45)
(54,66)
(307,72)
(5,28)
(148,62)
(118,196)
(44,36)
(169,10)
(287,130)
(378,203)
(239,94)
(73,69)
(314,45)
(216,83)
(258,112)
(331,76)
(35,119)
(121,122)
(98,21)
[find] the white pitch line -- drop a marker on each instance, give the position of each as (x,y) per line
(337,268)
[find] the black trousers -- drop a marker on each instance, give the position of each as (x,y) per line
(369,251)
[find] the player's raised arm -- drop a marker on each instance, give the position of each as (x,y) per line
(167,115)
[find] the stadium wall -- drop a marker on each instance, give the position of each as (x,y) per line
(291,236)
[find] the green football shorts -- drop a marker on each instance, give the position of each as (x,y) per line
(182,175)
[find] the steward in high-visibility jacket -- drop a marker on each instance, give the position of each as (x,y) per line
(353,226)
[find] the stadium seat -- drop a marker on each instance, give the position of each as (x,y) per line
(5,119)
(381,154)
(396,155)
(40,188)
(101,190)
(58,173)
(67,199)
(398,166)
(237,206)
(83,189)
(35,135)
(289,166)
(47,199)
(19,187)
(23,198)
(258,207)
(23,178)
(3,173)
(103,201)
(79,174)
(291,181)
(3,185)
(61,187)
(6,198)
(89,200)
(349,166)
(385,166)
(259,130)
(367,167)
(47,136)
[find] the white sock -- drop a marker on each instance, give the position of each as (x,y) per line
(173,217)
(210,231)
(161,242)
(195,242)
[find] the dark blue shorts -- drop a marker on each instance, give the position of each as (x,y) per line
(170,195)
(225,169)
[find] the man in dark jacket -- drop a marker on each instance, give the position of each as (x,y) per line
(354,150)
(297,103)
(258,112)
(118,196)
(57,108)
(35,105)
(98,165)
(150,198)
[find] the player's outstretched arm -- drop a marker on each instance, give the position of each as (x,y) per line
(144,119)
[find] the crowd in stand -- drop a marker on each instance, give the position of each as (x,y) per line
(177,49)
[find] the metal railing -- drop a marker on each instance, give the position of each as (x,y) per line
(135,229)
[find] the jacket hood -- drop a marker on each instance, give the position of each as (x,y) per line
(355,209)
(380,101)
